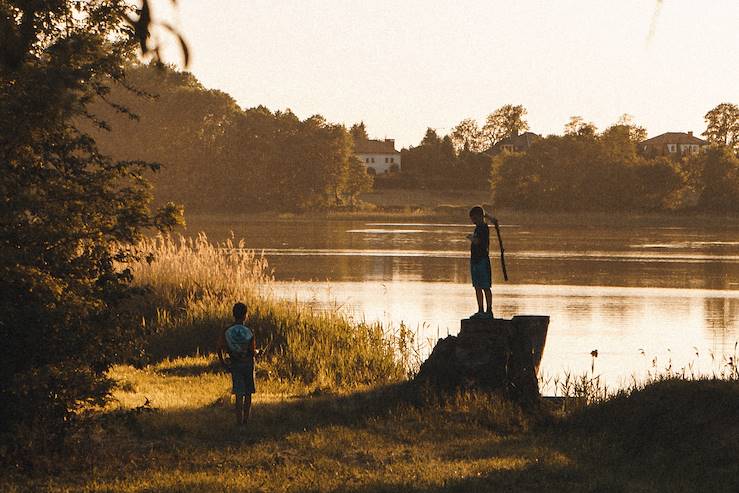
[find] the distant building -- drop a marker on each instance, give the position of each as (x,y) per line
(515,143)
(379,156)
(672,144)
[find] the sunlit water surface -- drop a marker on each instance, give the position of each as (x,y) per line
(646,297)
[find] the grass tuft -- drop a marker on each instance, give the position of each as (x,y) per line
(193,284)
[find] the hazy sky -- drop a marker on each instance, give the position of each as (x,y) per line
(403,66)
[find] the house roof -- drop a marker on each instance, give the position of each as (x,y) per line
(674,138)
(370,146)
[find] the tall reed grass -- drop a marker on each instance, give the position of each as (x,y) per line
(192,285)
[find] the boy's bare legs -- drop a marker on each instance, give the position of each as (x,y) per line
(240,409)
(478,295)
(246,409)
(488,299)
(243,409)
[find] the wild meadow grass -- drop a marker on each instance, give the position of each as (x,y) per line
(192,285)
(170,429)
(333,411)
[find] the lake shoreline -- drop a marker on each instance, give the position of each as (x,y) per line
(625,285)
(422,204)
(460,214)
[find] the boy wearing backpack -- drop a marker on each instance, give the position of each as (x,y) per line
(238,341)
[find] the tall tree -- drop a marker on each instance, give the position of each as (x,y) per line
(715,176)
(358,132)
(209,147)
(578,126)
(504,122)
(432,162)
(431,137)
(619,141)
(467,136)
(358,180)
(722,125)
(182,126)
(70,215)
(636,133)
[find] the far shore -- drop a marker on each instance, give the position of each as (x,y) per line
(453,205)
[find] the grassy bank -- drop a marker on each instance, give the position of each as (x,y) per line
(334,412)
(674,435)
(192,285)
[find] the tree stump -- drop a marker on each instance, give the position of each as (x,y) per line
(495,355)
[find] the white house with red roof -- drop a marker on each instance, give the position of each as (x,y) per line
(379,156)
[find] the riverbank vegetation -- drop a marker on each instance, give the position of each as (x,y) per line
(334,410)
(181,297)
(170,429)
(605,173)
(191,285)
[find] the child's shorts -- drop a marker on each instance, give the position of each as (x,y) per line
(481,273)
(242,378)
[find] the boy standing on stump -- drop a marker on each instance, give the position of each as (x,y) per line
(238,341)
(480,261)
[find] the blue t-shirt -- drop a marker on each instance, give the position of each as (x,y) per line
(239,341)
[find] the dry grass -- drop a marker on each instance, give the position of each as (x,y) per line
(184,440)
(674,435)
(193,285)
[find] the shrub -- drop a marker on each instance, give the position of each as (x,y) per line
(68,212)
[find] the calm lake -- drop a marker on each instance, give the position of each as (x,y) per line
(645,296)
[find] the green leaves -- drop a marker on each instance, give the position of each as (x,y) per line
(217,157)
(69,214)
(722,125)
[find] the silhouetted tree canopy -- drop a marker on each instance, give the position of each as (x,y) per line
(217,157)
(722,125)
(506,121)
(467,135)
(358,132)
(70,215)
(578,126)
(584,171)
(712,179)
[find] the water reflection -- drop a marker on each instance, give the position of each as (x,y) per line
(629,326)
(641,293)
(713,273)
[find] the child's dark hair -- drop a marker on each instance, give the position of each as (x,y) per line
(239,311)
(477,211)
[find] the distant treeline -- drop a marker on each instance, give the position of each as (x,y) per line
(582,170)
(215,156)
(605,173)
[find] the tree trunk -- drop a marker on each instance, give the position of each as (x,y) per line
(494,355)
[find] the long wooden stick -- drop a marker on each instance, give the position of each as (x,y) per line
(502,250)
